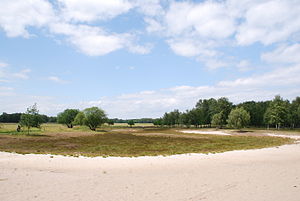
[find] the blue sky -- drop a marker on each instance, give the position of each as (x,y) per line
(137,58)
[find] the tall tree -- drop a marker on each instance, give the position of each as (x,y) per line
(217,120)
(256,111)
(295,112)
(277,112)
(79,119)
(31,118)
(94,117)
(238,118)
(67,117)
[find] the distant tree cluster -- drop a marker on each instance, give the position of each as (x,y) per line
(16,117)
(91,117)
(141,120)
(221,112)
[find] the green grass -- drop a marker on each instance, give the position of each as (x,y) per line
(133,145)
(121,141)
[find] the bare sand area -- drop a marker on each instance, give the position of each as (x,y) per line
(205,132)
(271,174)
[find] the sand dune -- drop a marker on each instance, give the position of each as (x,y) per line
(262,175)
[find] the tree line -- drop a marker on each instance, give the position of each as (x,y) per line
(221,112)
(211,112)
(16,117)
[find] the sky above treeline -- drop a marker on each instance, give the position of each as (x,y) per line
(141,58)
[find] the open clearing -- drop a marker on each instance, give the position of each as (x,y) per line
(269,174)
(112,141)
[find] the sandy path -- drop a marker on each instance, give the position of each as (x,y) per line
(262,175)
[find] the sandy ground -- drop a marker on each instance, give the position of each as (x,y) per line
(205,132)
(271,174)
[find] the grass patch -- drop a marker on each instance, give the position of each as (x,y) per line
(126,144)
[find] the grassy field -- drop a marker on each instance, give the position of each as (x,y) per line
(122,141)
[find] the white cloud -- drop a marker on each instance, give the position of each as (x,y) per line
(94,41)
(270,22)
(90,40)
(244,65)
(149,7)
(17,15)
(57,80)
(199,29)
(7,76)
(207,19)
(92,10)
(283,54)
(23,74)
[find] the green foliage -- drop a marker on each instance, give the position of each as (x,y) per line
(238,118)
(79,119)
(158,122)
(131,123)
(171,118)
(31,118)
(295,112)
(217,120)
(110,122)
(10,118)
(210,107)
(256,111)
(277,112)
(94,117)
(67,117)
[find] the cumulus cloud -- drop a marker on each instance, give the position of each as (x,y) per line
(69,18)
(16,16)
(202,29)
(269,22)
(283,54)
(90,40)
(92,10)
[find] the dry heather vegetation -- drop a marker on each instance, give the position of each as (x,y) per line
(120,140)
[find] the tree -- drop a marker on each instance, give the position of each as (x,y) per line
(171,118)
(224,107)
(295,112)
(185,119)
(217,120)
(110,122)
(94,117)
(210,107)
(238,118)
(130,123)
(277,112)
(67,117)
(158,122)
(256,111)
(79,119)
(31,118)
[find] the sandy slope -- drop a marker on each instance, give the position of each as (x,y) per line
(262,175)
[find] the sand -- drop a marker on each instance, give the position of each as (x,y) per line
(205,132)
(271,174)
